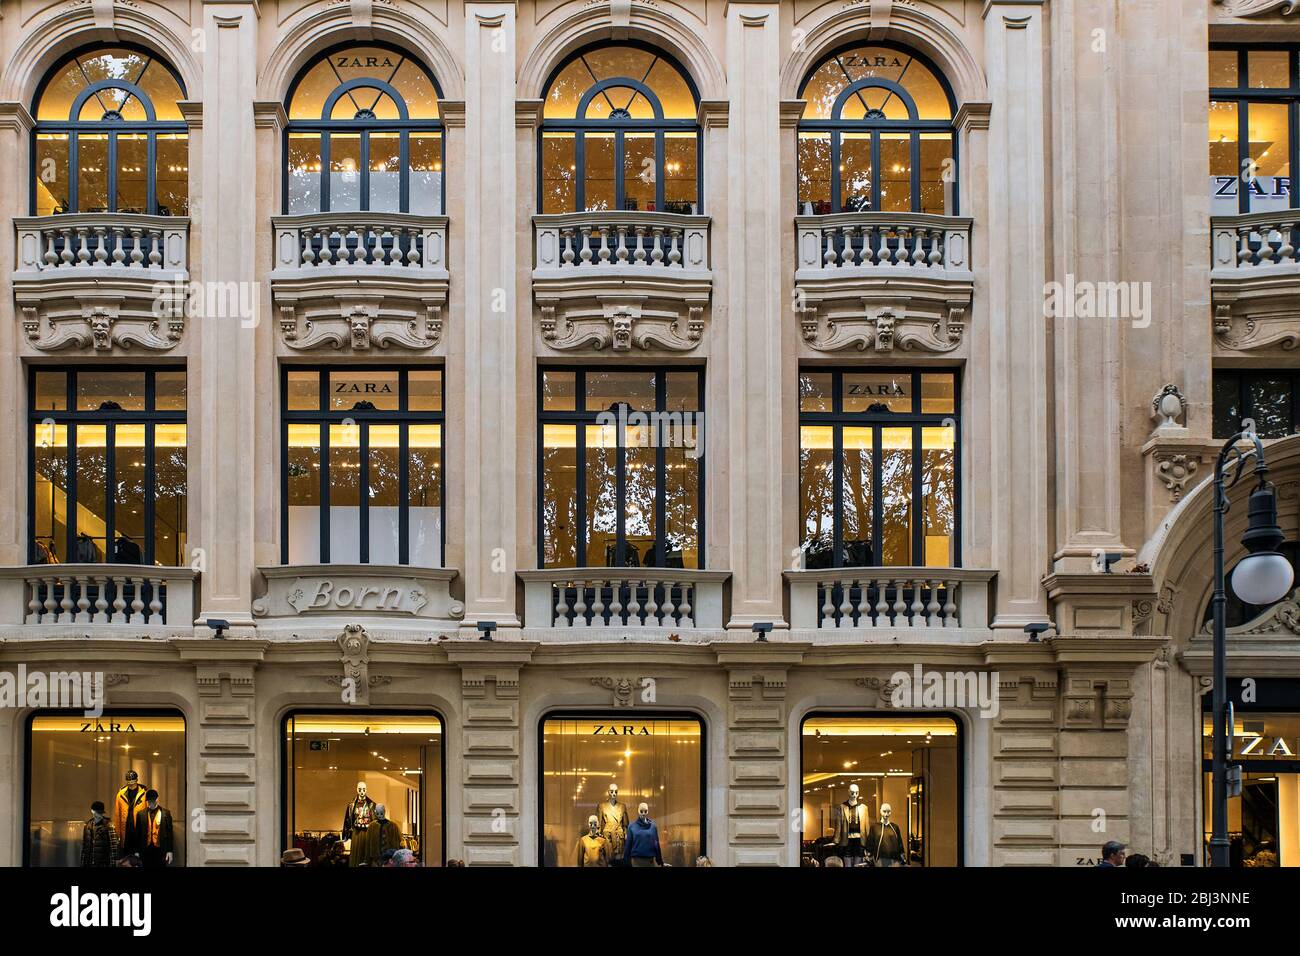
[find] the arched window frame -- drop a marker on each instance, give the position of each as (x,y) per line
(579,126)
(912,125)
(364,128)
(151,126)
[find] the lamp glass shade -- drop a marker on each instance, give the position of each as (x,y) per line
(1262,578)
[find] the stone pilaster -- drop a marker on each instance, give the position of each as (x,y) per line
(754,313)
(15,127)
(1025,802)
(223,401)
(493,316)
(1017,265)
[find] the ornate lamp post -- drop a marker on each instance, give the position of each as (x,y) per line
(1262,577)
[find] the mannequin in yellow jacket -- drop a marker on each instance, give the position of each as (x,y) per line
(129,802)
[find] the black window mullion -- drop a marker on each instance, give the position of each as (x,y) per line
(364,144)
(324,438)
(73,160)
(875,172)
(915,158)
(660,555)
(150,176)
(918,558)
(71,491)
(620,190)
(325,176)
(837,496)
(580,161)
(404,183)
(661,171)
(877,506)
(1293,146)
(111,203)
(1243,156)
(363,491)
(110,491)
(404,476)
(620,499)
(150,477)
(835,171)
(580,440)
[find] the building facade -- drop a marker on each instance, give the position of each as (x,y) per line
(725,401)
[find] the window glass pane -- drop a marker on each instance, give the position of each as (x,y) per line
(559,390)
(169,391)
(51,391)
(304,391)
(304,173)
(424,496)
(937,170)
(162,90)
(399,759)
(938,498)
(71,767)
(559,496)
(1223,69)
(837,73)
(359,390)
(856,504)
(170,485)
(896,172)
(681,161)
(910,763)
(129,538)
(877,392)
(97,390)
(385,172)
(656,762)
(345,172)
(426,173)
(52,194)
(302,469)
(606,389)
(682,391)
(424,390)
(937,393)
(345,494)
(132,173)
(856,172)
(1268,401)
(91,545)
(1224,168)
(1268,69)
(50,465)
(639,171)
(602,497)
(1227,402)
(639,496)
(682,493)
(814,174)
(817,494)
(815,391)
(896,496)
(559,173)
(599,171)
(384,468)
(1270,138)
(92,172)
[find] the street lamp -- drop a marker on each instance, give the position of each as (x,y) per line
(1262,577)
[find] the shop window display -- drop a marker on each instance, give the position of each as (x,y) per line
(622,792)
(360,784)
(881,791)
(106,791)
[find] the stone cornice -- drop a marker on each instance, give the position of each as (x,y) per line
(14,116)
(792,112)
(453,113)
(1117,584)
(528,113)
(232,650)
(269,114)
(713,114)
(1103,653)
(192,110)
(973,116)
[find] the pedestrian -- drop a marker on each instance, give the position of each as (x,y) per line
(1112,855)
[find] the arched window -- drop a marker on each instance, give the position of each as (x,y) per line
(364,134)
(109,136)
(619,132)
(876,135)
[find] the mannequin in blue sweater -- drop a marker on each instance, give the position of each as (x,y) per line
(643,840)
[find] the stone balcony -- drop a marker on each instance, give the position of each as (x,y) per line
(1255,282)
(942,605)
(101,283)
(359,281)
(621,282)
(319,600)
(97,600)
(883,281)
(614,604)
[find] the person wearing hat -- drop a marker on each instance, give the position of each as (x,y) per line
(293,857)
(126,805)
(98,838)
(1112,855)
(153,827)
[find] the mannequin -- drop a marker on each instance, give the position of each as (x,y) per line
(356,821)
(126,805)
(643,840)
(382,834)
(593,849)
(885,841)
(98,839)
(851,828)
(612,817)
(153,826)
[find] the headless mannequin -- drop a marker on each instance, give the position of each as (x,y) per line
(851,828)
(613,820)
(593,849)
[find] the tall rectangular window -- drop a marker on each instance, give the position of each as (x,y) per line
(108,466)
(878,465)
(1263,397)
(362,480)
(621,482)
(1254,97)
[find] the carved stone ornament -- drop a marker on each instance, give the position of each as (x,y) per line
(354,654)
(1257,330)
(625,689)
(100,327)
(884,689)
(620,327)
(359,326)
(1256,8)
(1175,471)
(883,329)
(1283,619)
(1168,406)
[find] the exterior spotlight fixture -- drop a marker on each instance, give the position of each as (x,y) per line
(1106,558)
(762,629)
(219,626)
(1262,577)
(485,629)
(1036,628)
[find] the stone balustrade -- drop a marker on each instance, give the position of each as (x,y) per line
(1255,241)
(367,240)
(623,598)
(882,242)
(631,240)
(97,594)
(121,241)
(877,598)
